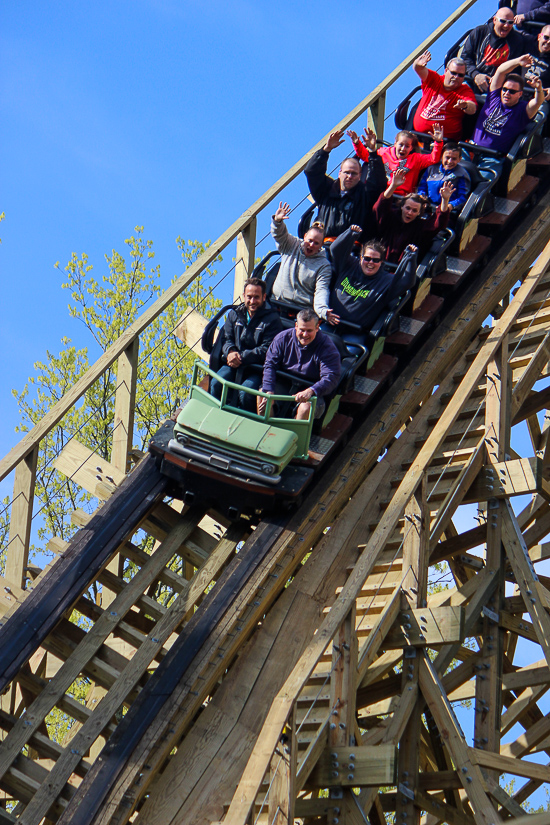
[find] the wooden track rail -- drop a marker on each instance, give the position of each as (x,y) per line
(169,698)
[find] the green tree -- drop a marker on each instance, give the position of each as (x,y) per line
(106,307)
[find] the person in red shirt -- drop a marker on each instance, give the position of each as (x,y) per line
(445,98)
(403,154)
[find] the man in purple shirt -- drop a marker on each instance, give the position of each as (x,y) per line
(307,353)
(504,114)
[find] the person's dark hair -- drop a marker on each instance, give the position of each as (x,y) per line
(378,246)
(307,315)
(451,146)
(255,282)
(515,78)
(409,136)
(417,199)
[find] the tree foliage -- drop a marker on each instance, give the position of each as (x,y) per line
(107,306)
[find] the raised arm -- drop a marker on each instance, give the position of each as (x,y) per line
(405,274)
(420,65)
(397,179)
(504,70)
(316,168)
(536,102)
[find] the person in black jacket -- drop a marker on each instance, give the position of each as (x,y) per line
(248,331)
(492,44)
(347,200)
(363,287)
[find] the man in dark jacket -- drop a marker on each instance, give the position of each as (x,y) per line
(492,44)
(531,11)
(346,200)
(248,331)
(363,287)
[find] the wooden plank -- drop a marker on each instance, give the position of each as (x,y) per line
(189,330)
(208,257)
(355,766)
(509,764)
(440,810)
(244,265)
(427,626)
(91,643)
(88,469)
(526,578)
(21,519)
(507,478)
(453,738)
(89,551)
(123,422)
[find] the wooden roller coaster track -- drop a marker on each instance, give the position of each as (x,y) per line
(302,668)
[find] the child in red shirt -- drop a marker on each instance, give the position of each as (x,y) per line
(404,155)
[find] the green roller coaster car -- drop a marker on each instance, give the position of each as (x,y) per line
(214,444)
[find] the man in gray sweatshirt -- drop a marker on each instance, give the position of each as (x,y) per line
(304,274)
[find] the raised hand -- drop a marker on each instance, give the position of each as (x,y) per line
(437,132)
(525,60)
(446,190)
(424,59)
(411,249)
(399,177)
(370,139)
(355,228)
(282,213)
(353,136)
(334,139)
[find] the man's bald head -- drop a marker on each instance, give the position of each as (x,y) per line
(503,22)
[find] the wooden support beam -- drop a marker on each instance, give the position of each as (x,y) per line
(526,578)
(87,469)
(509,764)
(453,738)
(355,766)
(189,331)
(506,478)
(427,627)
(244,266)
(125,398)
(376,115)
(21,520)
(281,790)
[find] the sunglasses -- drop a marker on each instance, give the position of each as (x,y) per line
(505,22)
(511,91)
(456,74)
(368,259)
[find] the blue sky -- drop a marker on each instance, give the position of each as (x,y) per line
(171,115)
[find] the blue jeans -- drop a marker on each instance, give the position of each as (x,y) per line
(245,400)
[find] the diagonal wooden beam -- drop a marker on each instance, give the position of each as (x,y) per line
(525,577)
(453,738)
